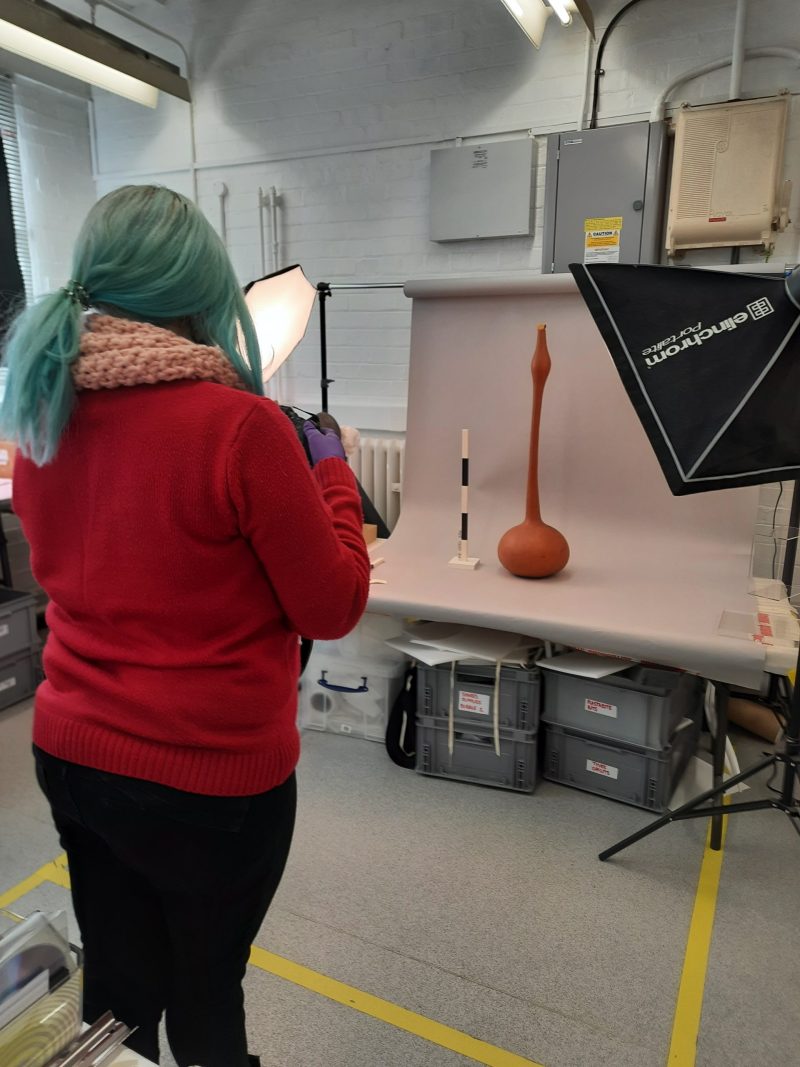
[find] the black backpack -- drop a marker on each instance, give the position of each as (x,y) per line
(401,731)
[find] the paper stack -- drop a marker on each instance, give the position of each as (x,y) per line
(433,643)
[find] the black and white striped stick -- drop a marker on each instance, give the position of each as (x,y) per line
(463,551)
(463,558)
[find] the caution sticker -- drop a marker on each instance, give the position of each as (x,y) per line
(602,239)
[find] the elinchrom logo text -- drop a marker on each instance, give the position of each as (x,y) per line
(697,335)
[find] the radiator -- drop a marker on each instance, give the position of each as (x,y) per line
(378,465)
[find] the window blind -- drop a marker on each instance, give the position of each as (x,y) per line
(8,131)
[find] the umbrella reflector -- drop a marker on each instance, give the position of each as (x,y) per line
(711,363)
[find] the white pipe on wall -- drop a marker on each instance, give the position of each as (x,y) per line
(659,107)
(273,221)
(221,189)
(261,231)
(342,150)
(271,200)
(737,61)
(587,75)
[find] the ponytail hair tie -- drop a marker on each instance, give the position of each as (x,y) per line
(77,293)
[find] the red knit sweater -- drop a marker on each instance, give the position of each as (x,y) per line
(184,544)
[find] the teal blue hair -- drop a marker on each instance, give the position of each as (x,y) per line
(144,252)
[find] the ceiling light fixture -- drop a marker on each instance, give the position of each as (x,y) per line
(532,15)
(45,34)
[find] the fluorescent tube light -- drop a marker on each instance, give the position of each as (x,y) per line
(49,54)
(560,8)
(46,35)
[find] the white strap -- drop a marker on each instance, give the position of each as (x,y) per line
(497,672)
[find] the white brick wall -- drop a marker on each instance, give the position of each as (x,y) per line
(338,106)
(55,160)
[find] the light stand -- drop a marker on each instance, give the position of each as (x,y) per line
(721,420)
(325,290)
(788,757)
(791,544)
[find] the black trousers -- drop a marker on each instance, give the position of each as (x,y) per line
(169,889)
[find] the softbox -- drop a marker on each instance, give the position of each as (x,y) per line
(711,363)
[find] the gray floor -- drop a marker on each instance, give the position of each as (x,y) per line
(489,912)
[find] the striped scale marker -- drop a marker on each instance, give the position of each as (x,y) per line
(463,558)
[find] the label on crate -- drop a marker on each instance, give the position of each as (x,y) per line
(599,708)
(605,769)
(5,630)
(9,683)
(474,703)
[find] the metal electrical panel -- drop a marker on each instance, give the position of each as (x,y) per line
(482,190)
(604,196)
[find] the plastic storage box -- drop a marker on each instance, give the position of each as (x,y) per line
(344,696)
(643,777)
(19,677)
(474,758)
(18,631)
(473,695)
(641,706)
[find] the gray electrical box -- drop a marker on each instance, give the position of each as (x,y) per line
(482,190)
(604,196)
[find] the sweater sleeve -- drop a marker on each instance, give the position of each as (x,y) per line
(305,527)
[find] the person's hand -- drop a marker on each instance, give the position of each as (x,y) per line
(322,444)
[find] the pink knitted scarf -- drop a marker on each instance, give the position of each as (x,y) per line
(118,352)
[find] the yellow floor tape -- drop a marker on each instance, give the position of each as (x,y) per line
(383,1010)
(689,1009)
(55,871)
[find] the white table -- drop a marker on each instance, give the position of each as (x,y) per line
(649,575)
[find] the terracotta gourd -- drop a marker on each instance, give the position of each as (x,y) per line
(533,549)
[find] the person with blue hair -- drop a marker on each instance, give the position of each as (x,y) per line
(184,543)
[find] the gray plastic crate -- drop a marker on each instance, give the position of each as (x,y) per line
(474,758)
(473,697)
(643,777)
(641,706)
(19,677)
(17,623)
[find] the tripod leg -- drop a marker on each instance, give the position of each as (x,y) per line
(693,806)
(722,694)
